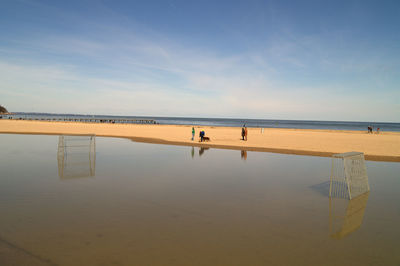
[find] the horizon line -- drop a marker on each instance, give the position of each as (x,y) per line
(187,117)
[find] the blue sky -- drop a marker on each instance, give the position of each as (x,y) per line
(317,60)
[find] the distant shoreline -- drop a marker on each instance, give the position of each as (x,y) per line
(215,122)
(194,117)
(376,147)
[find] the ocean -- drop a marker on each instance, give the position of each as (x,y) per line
(226,122)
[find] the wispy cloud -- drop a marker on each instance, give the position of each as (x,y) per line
(120,66)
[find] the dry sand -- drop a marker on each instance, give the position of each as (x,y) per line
(378,147)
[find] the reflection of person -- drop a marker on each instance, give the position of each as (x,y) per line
(201,151)
(192,152)
(193,132)
(243,155)
(245,133)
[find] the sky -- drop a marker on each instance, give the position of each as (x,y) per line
(301,60)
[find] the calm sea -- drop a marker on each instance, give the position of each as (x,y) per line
(228,122)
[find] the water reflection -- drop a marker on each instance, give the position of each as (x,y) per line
(76,156)
(201,151)
(346,216)
(348,193)
(243,155)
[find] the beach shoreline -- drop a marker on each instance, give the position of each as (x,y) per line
(315,142)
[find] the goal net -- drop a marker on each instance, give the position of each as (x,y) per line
(348,175)
(76,156)
(348,193)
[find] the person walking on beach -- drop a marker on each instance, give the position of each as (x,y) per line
(193,132)
(202,133)
(245,133)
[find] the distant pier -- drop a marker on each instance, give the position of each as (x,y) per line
(84,120)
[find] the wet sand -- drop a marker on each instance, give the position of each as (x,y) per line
(377,147)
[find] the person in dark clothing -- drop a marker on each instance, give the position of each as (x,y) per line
(243,133)
(202,134)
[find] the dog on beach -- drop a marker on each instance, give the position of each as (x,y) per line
(206,138)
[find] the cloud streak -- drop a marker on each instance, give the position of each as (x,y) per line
(120,66)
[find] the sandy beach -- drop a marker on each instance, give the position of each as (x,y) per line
(377,147)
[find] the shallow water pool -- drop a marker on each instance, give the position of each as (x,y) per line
(127,203)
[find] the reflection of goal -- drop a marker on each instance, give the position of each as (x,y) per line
(76,156)
(348,175)
(348,193)
(346,216)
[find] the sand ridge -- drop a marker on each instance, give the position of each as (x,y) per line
(378,147)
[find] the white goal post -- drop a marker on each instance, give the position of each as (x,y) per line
(76,156)
(348,175)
